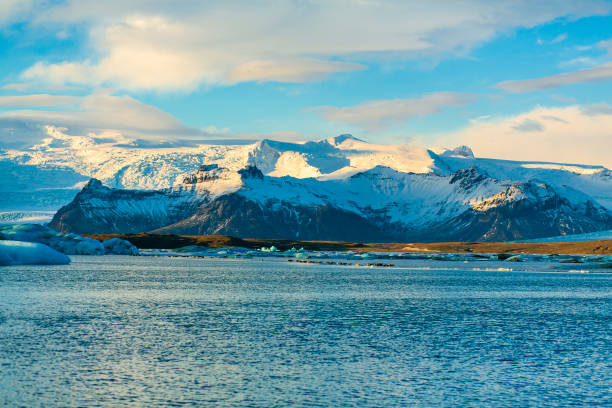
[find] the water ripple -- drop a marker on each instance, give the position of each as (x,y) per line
(118,331)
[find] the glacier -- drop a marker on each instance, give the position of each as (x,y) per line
(26,217)
(67,162)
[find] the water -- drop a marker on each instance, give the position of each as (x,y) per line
(139,331)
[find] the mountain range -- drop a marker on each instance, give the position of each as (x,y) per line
(340,188)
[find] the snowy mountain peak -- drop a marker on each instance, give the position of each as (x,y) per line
(93,184)
(461,151)
(338,140)
(299,171)
(377,204)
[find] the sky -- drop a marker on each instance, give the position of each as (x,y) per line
(519,80)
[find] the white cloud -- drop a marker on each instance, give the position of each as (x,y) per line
(597,109)
(102,114)
(600,73)
(96,113)
(529,125)
(38,100)
(563,98)
(16,86)
(146,53)
(559,38)
(215,42)
(37,87)
(302,70)
(15,10)
(578,62)
(572,134)
(213,130)
(381,113)
(606,45)
(551,117)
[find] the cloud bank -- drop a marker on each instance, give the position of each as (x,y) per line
(573,134)
(169,45)
(127,120)
(597,74)
(96,113)
(378,114)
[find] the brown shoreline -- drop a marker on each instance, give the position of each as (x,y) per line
(169,241)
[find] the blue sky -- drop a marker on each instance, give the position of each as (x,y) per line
(499,77)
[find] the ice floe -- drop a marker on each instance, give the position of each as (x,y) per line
(70,244)
(30,253)
(414,260)
(118,246)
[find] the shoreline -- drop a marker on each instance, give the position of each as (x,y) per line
(170,241)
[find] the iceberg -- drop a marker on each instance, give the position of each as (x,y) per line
(118,246)
(70,244)
(271,249)
(30,253)
(191,248)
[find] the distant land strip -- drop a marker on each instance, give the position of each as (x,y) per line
(170,241)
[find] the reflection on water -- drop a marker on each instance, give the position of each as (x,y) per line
(116,331)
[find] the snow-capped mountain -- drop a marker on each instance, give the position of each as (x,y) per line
(338,188)
(99,208)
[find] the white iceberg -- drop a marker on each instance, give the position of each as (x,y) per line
(118,246)
(30,253)
(70,244)
(271,249)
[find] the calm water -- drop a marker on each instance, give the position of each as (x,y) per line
(138,331)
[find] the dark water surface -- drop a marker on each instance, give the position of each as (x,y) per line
(138,331)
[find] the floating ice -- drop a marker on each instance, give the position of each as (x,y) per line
(514,258)
(191,248)
(70,244)
(118,246)
(30,253)
(271,249)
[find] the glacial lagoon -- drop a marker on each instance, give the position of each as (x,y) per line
(259,331)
